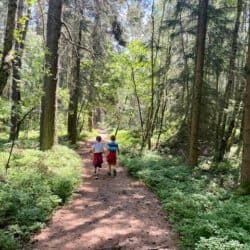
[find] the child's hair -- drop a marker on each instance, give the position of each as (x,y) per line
(112,137)
(98,138)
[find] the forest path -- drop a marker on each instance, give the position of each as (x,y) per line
(108,213)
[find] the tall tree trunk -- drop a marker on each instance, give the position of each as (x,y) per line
(90,120)
(240,140)
(198,82)
(5,67)
(217,121)
(245,167)
(186,69)
(74,93)
(229,87)
(17,64)
(148,126)
(153,60)
(49,107)
(163,109)
(232,119)
(138,103)
(97,116)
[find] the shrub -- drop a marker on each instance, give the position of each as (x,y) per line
(214,243)
(128,140)
(37,182)
(206,214)
(8,241)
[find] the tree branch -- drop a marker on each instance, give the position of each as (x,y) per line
(75,44)
(7,166)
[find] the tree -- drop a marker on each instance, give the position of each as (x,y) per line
(74,91)
(49,104)
(245,166)
(224,133)
(198,81)
(7,57)
(22,27)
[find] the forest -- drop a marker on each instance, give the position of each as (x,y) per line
(170,78)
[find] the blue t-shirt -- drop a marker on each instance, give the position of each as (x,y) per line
(112,146)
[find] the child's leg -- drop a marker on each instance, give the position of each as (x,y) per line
(98,169)
(109,171)
(114,170)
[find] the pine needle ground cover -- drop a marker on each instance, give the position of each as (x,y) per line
(200,203)
(37,183)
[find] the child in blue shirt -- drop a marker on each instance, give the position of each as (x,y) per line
(113,150)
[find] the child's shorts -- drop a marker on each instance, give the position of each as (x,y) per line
(97,160)
(111,158)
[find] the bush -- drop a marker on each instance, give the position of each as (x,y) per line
(128,140)
(8,241)
(87,135)
(62,185)
(214,243)
(36,184)
(207,214)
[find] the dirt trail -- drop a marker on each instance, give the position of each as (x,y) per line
(108,213)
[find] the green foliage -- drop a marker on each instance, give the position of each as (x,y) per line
(207,214)
(214,243)
(37,182)
(65,169)
(4,108)
(8,241)
(31,73)
(128,140)
(87,135)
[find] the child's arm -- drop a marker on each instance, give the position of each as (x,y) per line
(93,149)
(107,147)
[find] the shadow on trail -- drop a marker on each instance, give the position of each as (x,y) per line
(108,213)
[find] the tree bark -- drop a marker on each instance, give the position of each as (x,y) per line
(74,93)
(49,107)
(148,125)
(217,121)
(163,109)
(245,167)
(90,120)
(240,140)
(138,102)
(6,64)
(198,82)
(97,116)
(219,156)
(186,69)
(17,64)
(232,121)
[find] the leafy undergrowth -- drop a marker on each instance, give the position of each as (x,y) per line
(200,203)
(127,140)
(37,182)
(87,135)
